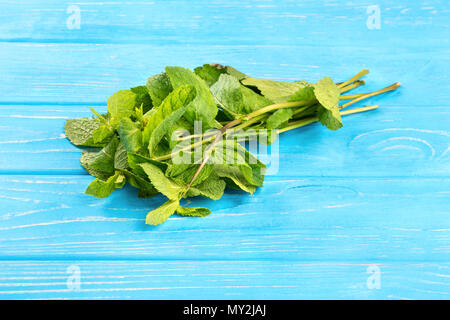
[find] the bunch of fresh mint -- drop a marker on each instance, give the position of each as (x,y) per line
(181,134)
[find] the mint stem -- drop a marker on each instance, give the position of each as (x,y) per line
(309,120)
(360,74)
(371,94)
(354,85)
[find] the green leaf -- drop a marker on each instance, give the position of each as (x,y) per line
(164,117)
(276,91)
(121,157)
(135,160)
(327,93)
(279,117)
(203,108)
(142,98)
(130,134)
(303,93)
(235,174)
(230,152)
(102,189)
(183,173)
(330,118)
(210,72)
(159,87)
(162,213)
(213,187)
(101,164)
(193,211)
(121,104)
(235,73)
(80,131)
(235,98)
(102,133)
(142,184)
(163,184)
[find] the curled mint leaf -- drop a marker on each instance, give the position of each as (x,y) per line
(193,211)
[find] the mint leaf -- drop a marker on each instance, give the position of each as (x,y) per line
(142,98)
(193,211)
(163,184)
(276,91)
(327,93)
(135,160)
(235,174)
(213,187)
(121,157)
(80,131)
(162,213)
(279,117)
(101,164)
(164,116)
(202,108)
(102,133)
(235,98)
(159,87)
(330,118)
(130,134)
(121,104)
(183,173)
(142,184)
(102,189)
(304,93)
(210,73)
(235,73)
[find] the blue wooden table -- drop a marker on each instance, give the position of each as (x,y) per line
(361,213)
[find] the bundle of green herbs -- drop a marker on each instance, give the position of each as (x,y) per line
(183,133)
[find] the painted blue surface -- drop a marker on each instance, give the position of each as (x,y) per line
(345,207)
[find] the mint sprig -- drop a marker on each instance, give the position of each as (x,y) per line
(179,135)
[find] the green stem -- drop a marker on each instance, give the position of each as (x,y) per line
(354,85)
(277,106)
(351,96)
(309,120)
(360,74)
(371,94)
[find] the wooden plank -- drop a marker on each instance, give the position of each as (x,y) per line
(231,22)
(311,219)
(90,73)
(248,279)
(391,141)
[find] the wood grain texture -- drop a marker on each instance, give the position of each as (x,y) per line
(235,22)
(391,141)
(310,219)
(217,279)
(88,73)
(376,192)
